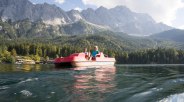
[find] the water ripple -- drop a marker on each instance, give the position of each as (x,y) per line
(4,87)
(174,98)
(26,93)
(29,80)
(95,84)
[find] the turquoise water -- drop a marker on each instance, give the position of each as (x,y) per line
(121,83)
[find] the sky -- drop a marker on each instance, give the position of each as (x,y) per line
(170,12)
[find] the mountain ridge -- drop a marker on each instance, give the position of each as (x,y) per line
(176,35)
(119,19)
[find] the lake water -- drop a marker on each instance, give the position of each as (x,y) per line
(121,83)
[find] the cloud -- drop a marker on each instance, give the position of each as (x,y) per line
(181,27)
(60,1)
(179,21)
(78,8)
(161,10)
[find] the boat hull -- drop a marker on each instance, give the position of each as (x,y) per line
(79,60)
(84,64)
(91,63)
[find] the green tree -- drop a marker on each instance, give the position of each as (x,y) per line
(36,58)
(14,53)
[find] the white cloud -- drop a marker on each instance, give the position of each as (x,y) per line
(179,21)
(181,27)
(60,1)
(161,10)
(78,8)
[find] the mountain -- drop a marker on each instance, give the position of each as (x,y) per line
(82,27)
(24,9)
(107,40)
(118,19)
(173,35)
(74,15)
(123,19)
(26,29)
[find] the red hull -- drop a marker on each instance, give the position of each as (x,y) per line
(80,60)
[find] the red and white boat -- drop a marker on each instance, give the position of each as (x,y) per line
(80,60)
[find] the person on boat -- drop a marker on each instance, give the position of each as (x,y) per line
(86,51)
(87,54)
(94,52)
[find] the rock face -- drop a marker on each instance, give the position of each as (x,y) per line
(122,19)
(118,19)
(24,9)
(74,15)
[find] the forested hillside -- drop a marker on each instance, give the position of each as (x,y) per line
(176,35)
(39,50)
(37,41)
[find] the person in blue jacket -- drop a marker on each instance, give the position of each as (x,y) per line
(94,52)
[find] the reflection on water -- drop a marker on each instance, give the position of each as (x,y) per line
(24,67)
(122,83)
(98,81)
(27,68)
(105,78)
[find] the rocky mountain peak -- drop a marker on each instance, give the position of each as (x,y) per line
(74,15)
(101,8)
(121,8)
(119,19)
